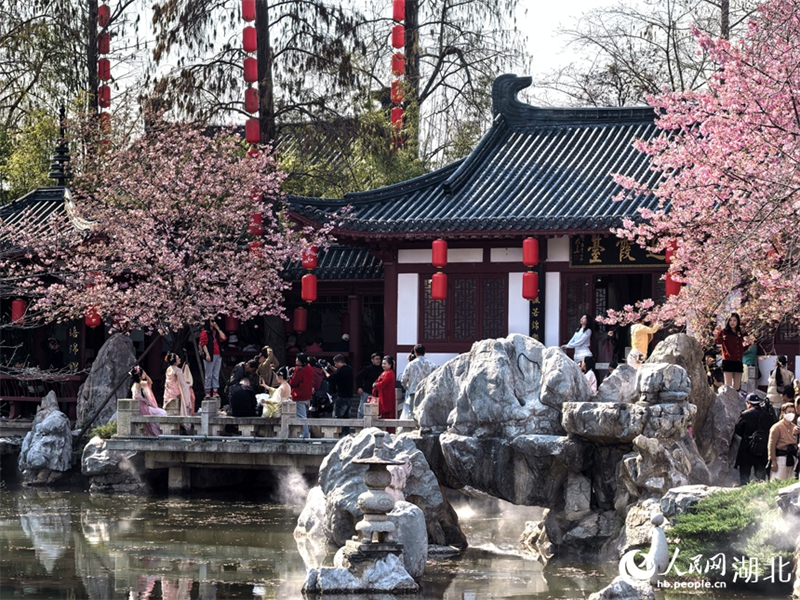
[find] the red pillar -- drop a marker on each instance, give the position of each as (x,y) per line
(355,309)
(390,304)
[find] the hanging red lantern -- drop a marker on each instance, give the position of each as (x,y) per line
(398,63)
(230,324)
(398,93)
(673,288)
(255,224)
(251,100)
(92,317)
(250,39)
(399,10)
(255,247)
(252,153)
(250,70)
(397,117)
(398,36)
(309,258)
(300,319)
(439,254)
(18,308)
(104,96)
(104,69)
(104,119)
(103,43)
(530,252)
(439,286)
(103,15)
(252,131)
(668,255)
(249,10)
(530,285)
(308,287)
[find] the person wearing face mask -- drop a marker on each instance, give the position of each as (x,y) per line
(783,444)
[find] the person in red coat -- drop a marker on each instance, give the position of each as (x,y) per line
(732,340)
(383,389)
(302,388)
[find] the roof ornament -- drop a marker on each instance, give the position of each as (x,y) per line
(59,169)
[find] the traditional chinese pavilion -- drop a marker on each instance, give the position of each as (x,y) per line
(538,172)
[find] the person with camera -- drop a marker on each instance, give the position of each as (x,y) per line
(340,382)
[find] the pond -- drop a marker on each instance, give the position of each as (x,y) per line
(74,545)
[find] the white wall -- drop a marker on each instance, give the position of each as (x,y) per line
(407,308)
(518,307)
(454,255)
(552,308)
(437,358)
(505,255)
(558,249)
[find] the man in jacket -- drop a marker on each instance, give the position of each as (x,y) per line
(415,371)
(753,427)
(365,378)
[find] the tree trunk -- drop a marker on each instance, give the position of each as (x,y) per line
(412,74)
(266,89)
(91,53)
(725,19)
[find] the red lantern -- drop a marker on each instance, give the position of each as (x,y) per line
(250,70)
(255,224)
(250,39)
(439,286)
(673,287)
(300,319)
(439,254)
(255,247)
(397,117)
(309,258)
(668,255)
(253,152)
(249,10)
(251,100)
(104,69)
(252,131)
(399,10)
(398,36)
(92,318)
(18,308)
(530,252)
(231,324)
(398,93)
(398,63)
(103,43)
(530,285)
(104,96)
(103,15)
(308,287)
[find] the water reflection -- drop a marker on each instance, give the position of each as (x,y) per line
(57,545)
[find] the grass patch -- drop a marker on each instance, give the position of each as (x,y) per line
(742,522)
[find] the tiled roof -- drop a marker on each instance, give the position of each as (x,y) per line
(546,170)
(340,263)
(40,205)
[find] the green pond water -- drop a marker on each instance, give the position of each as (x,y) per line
(68,545)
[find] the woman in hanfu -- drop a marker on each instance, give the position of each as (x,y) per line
(142,392)
(175,387)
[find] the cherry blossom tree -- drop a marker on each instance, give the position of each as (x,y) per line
(727,177)
(163,237)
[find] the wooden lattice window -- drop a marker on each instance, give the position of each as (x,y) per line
(434,315)
(494,313)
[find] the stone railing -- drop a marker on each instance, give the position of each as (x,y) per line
(211,423)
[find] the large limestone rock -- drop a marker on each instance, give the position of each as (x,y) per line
(718,429)
(680,499)
(410,531)
(655,466)
(341,481)
(527,469)
(620,386)
(114,360)
(583,536)
(501,388)
(387,575)
(607,423)
(47,448)
(112,471)
(662,382)
(684,350)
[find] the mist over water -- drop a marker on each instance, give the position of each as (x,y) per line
(292,489)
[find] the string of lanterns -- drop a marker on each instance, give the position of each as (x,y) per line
(104,64)
(530,258)
(252,128)
(308,288)
(398,62)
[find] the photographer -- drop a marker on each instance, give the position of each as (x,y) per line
(340,382)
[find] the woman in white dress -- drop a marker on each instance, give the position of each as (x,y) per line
(581,339)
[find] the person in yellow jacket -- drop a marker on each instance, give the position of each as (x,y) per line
(641,336)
